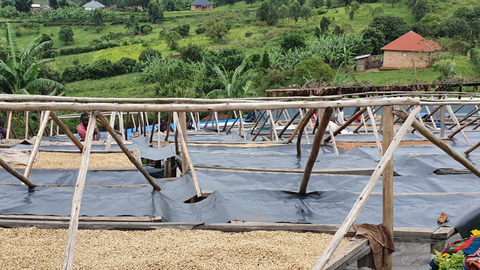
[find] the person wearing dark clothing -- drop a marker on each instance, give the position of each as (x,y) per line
(163,126)
(3,131)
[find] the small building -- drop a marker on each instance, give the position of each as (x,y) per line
(368,61)
(93,5)
(201,5)
(409,51)
(36,7)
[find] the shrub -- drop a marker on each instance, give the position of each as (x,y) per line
(183,30)
(292,42)
(200,30)
(149,53)
(248,34)
(191,52)
(146,29)
(313,68)
(446,68)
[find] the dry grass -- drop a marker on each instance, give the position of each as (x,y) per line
(51,160)
(32,248)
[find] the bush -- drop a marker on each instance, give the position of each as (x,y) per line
(248,34)
(146,29)
(99,69)
(191,52)
(313,68)
(200,30)
(149,53)
(292,42)
(183,30)
(446,68)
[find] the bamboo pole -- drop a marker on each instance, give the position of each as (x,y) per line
(387,183)
(129,155)
(65,130)
(15,173)
(362,199)
(288,124)
(302,121)
(375,131)
(9,123)
(65,106)
(438,142)
(36,146)
(315,149)
(347,123)
(186,155)
(77,196)
(458,123)
(109,137)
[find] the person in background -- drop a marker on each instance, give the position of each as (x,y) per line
(82,128)
(3,131)
(163,126)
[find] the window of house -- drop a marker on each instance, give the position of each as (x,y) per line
(404,54)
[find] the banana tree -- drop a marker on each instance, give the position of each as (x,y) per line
(19,73)
(237,86)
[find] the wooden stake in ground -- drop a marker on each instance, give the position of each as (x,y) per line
(387,184)
(362,199)
(65,130)
(36,146)
(186,155)
(77,196)
(438,142)
(315,149)
(129,155)
(15,173)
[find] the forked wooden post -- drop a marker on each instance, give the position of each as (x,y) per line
(77,196)
(186,155)
(15,173)
(65,130)
(387,184)
(36,146)
(315,149)
(129,155)
(438,142)
(362,199)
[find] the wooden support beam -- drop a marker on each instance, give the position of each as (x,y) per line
(335,148)
(375,130)
(153,128)
(272,126)
(77,196)
(464,126)
(216,121)
(302,124)
(241,127)
(127,152)
(9,123)
(288,124)
(186,155)
(36,146)
(257,121)
(442,122)
(169,124)
(126,127)
(315,149)
(458,123)
(226,121)
(347,123)
(65,130)
(15,173)
(301,128)
(387,183)
(362,199)
(182,131)
(438,142)
(25,114)
(109,137)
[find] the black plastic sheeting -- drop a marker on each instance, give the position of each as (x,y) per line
(421,196)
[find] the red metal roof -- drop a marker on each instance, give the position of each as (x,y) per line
(412,42)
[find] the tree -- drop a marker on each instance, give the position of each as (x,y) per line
(235,87)
(324,24)
(268,12)
(132,26)
(65,34)
(317,3)
(393,2)
(216,26)
(191,53)
(373,40)
(265,63)
(368,9)
(250,2)
(352,9)
(421,8)
(283,12)
(19,73)
(306,13)
(292,42)
(172,39)
(63,3)
(53,4)
(377,11)
(453,27)
(313,68)
(98,17)
(391,27)
(294,10)
(20,5)
(155,12)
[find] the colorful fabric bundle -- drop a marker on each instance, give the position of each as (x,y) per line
(472,262)
(469,246)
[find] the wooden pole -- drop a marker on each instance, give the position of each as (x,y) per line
(226,121)
(15,173)
(241,128)
(153,127)
(335,148)
(121,126)
(216,121)
(77,196)
(273,131)
(315,149)
(347,123)
(387,184)
(169,124)
(127,152)
(458,124)
(234,122)
(65,130)
(126,126)
(438,142)
(472,148)
(301,124)
(51,127)
(9,123)
(301,127)
(442,123)
(260,129)
(257,121)
(288,124)
(182,130)
(36,146)
(375,131)
(186,155)
(464,126)
(25,113)
(362,199)
(109,137)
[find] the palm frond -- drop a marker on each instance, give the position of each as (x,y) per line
(34,85)
(22,92)
(7,83)
(45,61)
(5,70)
(26,56)
(31,73)
(13,50)
(216,93)
(223,76)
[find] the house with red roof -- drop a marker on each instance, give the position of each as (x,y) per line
(409,51)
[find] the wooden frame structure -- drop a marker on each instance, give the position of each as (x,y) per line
(392,107)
